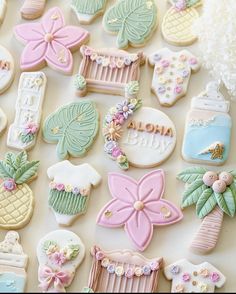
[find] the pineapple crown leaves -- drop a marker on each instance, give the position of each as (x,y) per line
(205,199)
(18,168)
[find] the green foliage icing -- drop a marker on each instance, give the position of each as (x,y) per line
(226,202)
(124,165)
(26,138)
(206,203)
(88,6)
(48,243)
(191,174)
(17,167)
(132,88)
(75,251)
(80,82)
(73,127)
(133,21)
(192,193)
(138,104)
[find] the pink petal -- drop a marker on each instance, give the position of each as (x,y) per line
(53,20)
(59,57)
(139,229)
(120,213)
(122,187)
(162,212)
(71,36)
(29,32)
(33,55)
(151,186)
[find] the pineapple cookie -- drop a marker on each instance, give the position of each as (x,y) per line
(16,198)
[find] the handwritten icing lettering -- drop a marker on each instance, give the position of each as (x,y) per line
(32,83)
(5,65)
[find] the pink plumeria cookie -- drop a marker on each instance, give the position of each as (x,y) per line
(32,9)
(138,206)
(50,42)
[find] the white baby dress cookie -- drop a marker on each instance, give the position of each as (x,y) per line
(7,69)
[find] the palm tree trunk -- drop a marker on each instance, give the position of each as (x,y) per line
(207,236)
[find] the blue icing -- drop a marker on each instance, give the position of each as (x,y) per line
(11,283)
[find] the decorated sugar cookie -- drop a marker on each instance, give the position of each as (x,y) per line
(59,254)
(16,198)
(172,72)
(132,21)
(70,189)
(50,42)
(7,69)
(193,278)
(87,10)
(3,121)
(32,9)
(73,127)
(208,128)
(133,272)
(109,71)
(213,194)
(13,264)
(138,206)
(177,24)
(22,133)
(3,8)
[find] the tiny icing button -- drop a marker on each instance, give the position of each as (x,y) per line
(172,70)
(138,206)
(7,69)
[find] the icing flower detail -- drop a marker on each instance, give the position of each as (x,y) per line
(132,89)
(112,65)
(180,5)
(105,262)
(185,73)
(193,61)
(147,270)
(179,288)
(127,61)
(111,268)
(119,271)
(204,273)
(178,89)
(84,192)
(159,70)
(154,265)
(161,89)
(105,62)
(75,190)
(120,63)
(52,185)
(109,146)
(9,185)
(58,258)
(88,51)
(129,273)
(179,80)
(203,288)
(31,128)
(175,269)
(68,188)
(215,277)
(60,187)
(162,80)
(100,255)
(93,56)
(99,60)
(119,118)
(180,65)
(138,271)
(183,57)
(116,152)
(186,277)
(157,57)
(52,249)
(121,159)
(80,82)
(165,63)
(112,131)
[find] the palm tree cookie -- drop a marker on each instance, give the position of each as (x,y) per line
(16,198)
(213,194)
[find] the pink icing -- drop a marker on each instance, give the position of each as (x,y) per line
(138,223)
(50,42)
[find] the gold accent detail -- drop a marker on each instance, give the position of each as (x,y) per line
(61,56)
(112,20)
(108,214)
(55,16)
(149,4)
(194,283)
(165,212)
(195,273)
(80,117)
(55,130)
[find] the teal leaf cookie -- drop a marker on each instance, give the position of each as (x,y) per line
(192,174)
(133,21)
(73,127)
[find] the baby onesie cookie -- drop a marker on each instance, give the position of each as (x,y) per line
(22,133)
(178,22)
(3,121)
(132,272)
(7,69)
(70,189)
(59,255)
(193,278)
(133,21)
(138,206)
(172,71)
(13,264)
(16,198)
(109,71)
(213,194)
(73,127)
(3,8)
(87,10)
(50,42)
(32,9)
(208,128)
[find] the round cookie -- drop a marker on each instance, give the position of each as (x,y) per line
(7,69)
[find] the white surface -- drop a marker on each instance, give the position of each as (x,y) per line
(170,242)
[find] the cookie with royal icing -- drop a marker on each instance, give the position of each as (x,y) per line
(3,8)
(32,9)
(132,272)
(70,189)
(22,133)
(208,128)
(3,121)
(50,42)
(109,71)
(73,127)
(16,197)
(193,278)
(133,21)
(13,264)
(59,255)
(171,76)
(87,10)
(7,69)
(138,206)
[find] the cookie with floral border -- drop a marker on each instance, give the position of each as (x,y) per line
(32,9)
(7,69)
(50,42)
(3,8)
(138,206)
(59,255)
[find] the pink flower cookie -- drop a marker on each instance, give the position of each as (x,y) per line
(50,42)
(138,206)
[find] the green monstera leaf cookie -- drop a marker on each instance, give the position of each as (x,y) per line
(134,21)
(74,127)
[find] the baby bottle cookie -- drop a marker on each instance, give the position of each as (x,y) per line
(13,264)
(208,128)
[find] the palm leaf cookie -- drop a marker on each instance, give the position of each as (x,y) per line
(16,198)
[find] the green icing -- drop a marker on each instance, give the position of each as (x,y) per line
(133,21)
(80,82)
(191,174)
(226,202)
(132,88)
(26,138)
(87,290)
(48,243)
(75,251)
(206,203)
(74,127)
(192,193)
(67,202)
(88,6)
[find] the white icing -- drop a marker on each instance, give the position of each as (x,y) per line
(6,76)
(3,121)
(3,6)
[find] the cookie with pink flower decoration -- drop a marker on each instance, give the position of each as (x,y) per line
(50,42)
(138,207)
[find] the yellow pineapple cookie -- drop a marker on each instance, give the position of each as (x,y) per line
(16,198)
(178,21)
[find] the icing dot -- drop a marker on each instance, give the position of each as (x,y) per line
(111,269)
(161,89)
(195,274)
(125,108)
(138,205)
(157,57)
(138,271)
(194,283)
(48,38)
(105,262)
(119,271)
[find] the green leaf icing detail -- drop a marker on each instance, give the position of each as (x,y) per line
(206,203)
(20,159)
(233,173)
(26,138)
(226,202)
(88,6)
(192,174)
(193,193)
(132,88)
(26,172)
(80,82)
(74,127)
(133,21)
(10,158)
(75,250)
(48,243)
